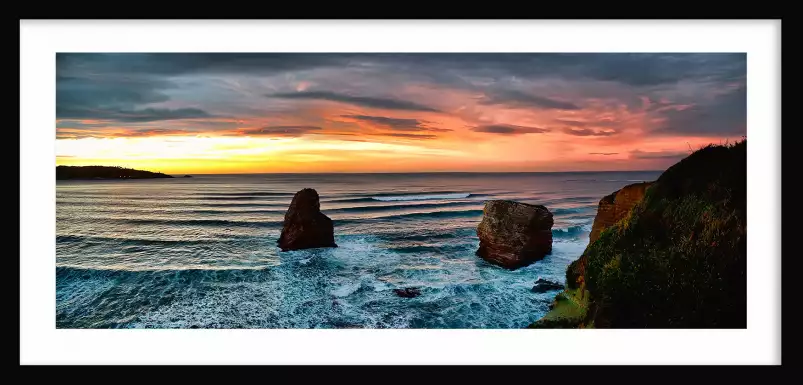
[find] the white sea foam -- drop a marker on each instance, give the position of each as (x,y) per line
(224,275)
(421,197)
(345,290)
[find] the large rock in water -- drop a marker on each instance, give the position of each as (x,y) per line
(514,234)
(305,226)
(612,208)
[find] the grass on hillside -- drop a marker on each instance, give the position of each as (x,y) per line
(678,260)
(569,311)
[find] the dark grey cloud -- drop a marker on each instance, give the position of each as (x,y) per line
(399,124)
(141,87)
(648,69)
(80,124)
(637,69)
(581,124)
(409,136)
(154,132)
(723,115)
(120,99)
(362,101)
(521,99)
(603,153)
(290,131)
(94,89)
(508,129)
(120,115)
(634,69)
(171,64)
(587,132)
(637,154)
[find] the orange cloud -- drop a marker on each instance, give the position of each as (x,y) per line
(493,115)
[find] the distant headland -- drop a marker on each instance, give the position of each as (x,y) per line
(104,172)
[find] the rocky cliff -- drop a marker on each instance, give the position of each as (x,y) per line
(305,226)
(615,206)
(611,209)
(677,260)
(514,234)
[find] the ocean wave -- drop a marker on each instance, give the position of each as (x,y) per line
(194,222)
(572,199)
(346,200)
(421,235)
(278,205)
(156,202)
(373,208)
(275,224)
(83,239)
(181,195)
(563,211)
(432,214)
(417,197)
(203,254)
(127,211)
(571,231)
(410,193)
(435,248)
(246,194)
(239,198)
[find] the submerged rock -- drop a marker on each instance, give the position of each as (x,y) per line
(543,286)
(409,292)
(514,234)
(305,226)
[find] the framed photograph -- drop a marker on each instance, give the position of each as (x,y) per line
(400,192)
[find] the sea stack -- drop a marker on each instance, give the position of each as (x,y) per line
(514,234)
(305,226)
(612,208)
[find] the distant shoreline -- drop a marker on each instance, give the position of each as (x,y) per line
(434,173)
(105,173)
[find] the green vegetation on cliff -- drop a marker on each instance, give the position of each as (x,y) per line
(104,172)
(569,310)
(678,260)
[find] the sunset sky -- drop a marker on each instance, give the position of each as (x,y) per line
(251,113)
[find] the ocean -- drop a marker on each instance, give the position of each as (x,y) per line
(201,252)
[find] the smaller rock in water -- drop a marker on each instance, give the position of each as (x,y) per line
(543,286)
(409,292)
(305,226)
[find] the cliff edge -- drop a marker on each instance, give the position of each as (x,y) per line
(676,260)
(614,207)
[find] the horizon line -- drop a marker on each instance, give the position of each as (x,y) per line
(417,172)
